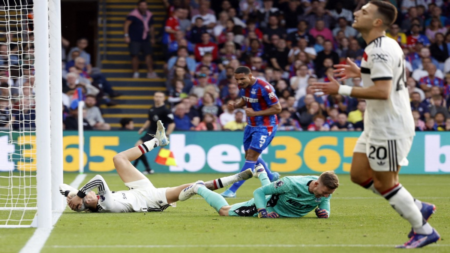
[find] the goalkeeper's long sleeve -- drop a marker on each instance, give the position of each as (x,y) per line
(277,187)
(325,204)
(95,182)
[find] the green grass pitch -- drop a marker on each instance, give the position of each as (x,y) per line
(360,222)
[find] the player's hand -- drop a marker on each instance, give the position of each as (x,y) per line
(262,213)
(140,130)
(127,40)
(249,112)
(330,88)
(321,213)
(230,106)
(75,203)
(345,71)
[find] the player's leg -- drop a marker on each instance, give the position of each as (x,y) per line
(143,158)
(384,157)
(215,200)
(273,176)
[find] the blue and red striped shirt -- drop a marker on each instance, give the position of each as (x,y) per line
(259,97)
(436,81)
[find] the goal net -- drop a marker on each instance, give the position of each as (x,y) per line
(21,101)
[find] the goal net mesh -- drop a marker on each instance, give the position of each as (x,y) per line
(18,198)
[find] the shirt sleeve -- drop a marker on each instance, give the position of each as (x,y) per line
(169,117)
(278,187)
(269,95)
(325,204)
(96,182)
(381,65)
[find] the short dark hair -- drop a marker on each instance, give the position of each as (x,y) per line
(329,179)
(125,121)
(141,1)
(242,70)
(387,11)
(91,96)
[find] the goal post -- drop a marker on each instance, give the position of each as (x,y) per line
(31,138)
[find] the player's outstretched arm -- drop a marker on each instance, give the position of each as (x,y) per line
(277,187)
(380,90)
(323,211)
(346,71)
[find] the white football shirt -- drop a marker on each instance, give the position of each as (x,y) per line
(392,118)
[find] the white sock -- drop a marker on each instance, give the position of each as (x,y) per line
(148,145)
(221,182)
(370,186)
(402,202)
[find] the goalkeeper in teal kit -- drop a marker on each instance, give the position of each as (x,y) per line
(290,197)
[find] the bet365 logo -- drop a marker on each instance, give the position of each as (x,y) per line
(437,157)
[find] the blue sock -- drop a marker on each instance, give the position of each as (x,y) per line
(264,164)
(213,199)
(248,164)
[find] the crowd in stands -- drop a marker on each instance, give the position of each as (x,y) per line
(291,44)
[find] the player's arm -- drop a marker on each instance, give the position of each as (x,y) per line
(125,30)
(145,126)
(274,109)
(271,99)
(233,105)
(323,210)
(96,182)
(277,187)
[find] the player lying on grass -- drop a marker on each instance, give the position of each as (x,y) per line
(290,197)
(142,196)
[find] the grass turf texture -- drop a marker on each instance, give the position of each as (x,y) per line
(360,221)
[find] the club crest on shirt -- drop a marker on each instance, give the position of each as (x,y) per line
(253,91)
(318,199)
(278,184)
(271,95)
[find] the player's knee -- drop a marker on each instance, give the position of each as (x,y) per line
(119,157)
(355,178)
(379,186)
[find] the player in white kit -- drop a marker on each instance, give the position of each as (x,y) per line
(142,196)
(388,132)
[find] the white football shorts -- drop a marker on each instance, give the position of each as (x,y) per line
(154,197)
(384,155)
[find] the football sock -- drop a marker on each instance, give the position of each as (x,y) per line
(418,203)
(264,179)
(215,200)
(370,186)
(247,165)
(148,145)
(264,164)
(222,182)
(402,202)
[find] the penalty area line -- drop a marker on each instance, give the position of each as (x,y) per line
(239,246)
(40,236)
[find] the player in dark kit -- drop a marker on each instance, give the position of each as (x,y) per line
(262,109)
(157,112)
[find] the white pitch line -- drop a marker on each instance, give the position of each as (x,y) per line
(240,246)
(380,198)
(40,236)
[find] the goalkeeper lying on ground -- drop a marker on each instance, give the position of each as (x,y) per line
(142,196)
(292,196)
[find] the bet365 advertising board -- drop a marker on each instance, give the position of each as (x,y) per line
(222,152)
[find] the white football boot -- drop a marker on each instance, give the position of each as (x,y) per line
(160,134)
(190,191)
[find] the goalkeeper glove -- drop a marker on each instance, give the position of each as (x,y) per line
(321,213)
(262,213)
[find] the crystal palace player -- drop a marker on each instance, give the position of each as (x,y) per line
(142,196)
(289,197)
(262,107)
(389,127)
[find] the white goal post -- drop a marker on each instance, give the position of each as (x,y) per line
(29,195)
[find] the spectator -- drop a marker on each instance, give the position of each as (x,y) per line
(424,53)
(422,71)
(313,96)
(182,52)
(7,58)
(301,33)
(430,125)
(332,116)
(230,38)
(302,48)
(439,50)
(184,22)
(278,57)
(176,93)
(407,4)
(318,124)
(206,46)
(208,123)
(340,12)
(238,124)
(209,19)
(326,53)
(354,51)
(322,30)
(447,125)
(417,37)
(191,111)
(173,24)
(306,117)
(265,13)
(343,48)
(208,106)
(232,92)
(337,101)
(137,28)
(349,31)
(82,44)
(438,105)
(273,28)
(286,123)
(418,123)
(440,119)
(5,115)
(221,24)
(318,13)
(434,28)
(412,87)
(299,83)
(342,124)
(207,61)
(395,34)
(199,89)
(71,122)
(93,114)
(126,124)
(179,41)
(291,13)
(249,7)
(226,116)
(357,115)
(182,121)
(197,30)
(431,80)
(237,21)
(420,107)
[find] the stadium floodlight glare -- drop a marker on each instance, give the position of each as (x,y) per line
(31,144)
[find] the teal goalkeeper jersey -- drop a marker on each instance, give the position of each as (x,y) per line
(288,197)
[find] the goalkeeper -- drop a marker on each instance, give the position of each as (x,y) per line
(142,196)
(290,197)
